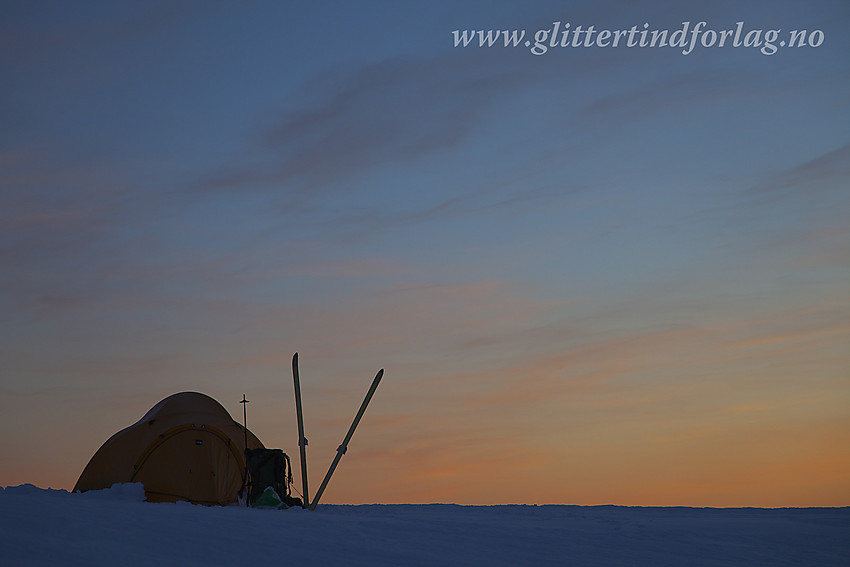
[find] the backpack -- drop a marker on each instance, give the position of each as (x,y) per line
(269,469)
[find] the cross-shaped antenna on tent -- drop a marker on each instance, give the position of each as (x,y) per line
(244,403)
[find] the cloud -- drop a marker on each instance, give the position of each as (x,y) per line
(387,111)
(813,175)
(56,226)
(801,209)
(577,363)
(59,34)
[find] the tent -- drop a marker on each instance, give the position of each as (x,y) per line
(187,447)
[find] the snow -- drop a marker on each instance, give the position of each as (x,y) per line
(40,527)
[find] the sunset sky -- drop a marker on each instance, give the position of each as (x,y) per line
(597,275)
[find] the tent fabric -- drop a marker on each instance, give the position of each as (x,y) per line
(187,447)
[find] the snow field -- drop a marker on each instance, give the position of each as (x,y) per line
(41,527)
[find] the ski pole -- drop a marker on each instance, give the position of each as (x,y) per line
(244,403)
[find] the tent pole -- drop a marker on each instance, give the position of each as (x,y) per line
(344,446)
(302,441)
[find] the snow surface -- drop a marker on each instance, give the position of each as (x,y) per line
(116,527)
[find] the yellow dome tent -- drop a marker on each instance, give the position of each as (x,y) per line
(187,447)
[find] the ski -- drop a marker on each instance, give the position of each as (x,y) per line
(302,441)
(344,446)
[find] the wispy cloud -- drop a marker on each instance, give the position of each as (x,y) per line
(63,34)
(809,176)
(388,111)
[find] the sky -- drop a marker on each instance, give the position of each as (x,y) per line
(595,275)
